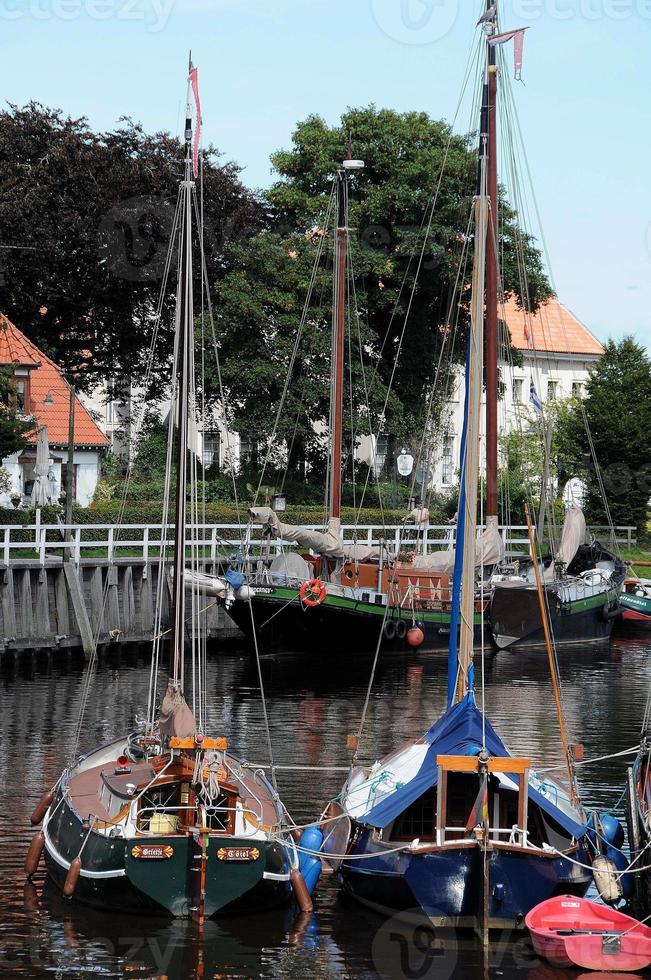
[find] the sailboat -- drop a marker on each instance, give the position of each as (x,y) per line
(450,825)
(334,591)
(167,819)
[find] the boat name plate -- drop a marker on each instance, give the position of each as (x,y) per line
(238,854)
(155,852)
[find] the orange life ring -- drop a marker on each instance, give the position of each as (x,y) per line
(312,592)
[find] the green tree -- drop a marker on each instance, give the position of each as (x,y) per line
(84,222)
(13,429)
(617,415)
(259,302)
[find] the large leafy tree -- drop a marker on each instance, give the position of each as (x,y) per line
(84,223)
(417,174)
(616,418)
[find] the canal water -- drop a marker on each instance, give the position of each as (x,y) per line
(312,705)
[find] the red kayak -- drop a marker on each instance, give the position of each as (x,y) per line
(570,931)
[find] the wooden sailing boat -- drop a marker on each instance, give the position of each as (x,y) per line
(339,592)
(450,824)
(166,819)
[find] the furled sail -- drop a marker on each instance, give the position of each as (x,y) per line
(489,550)
(572,537)
(327,543)
(176,718)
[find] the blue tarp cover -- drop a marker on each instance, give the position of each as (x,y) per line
(457,732)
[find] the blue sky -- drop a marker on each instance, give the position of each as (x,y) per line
(264,64)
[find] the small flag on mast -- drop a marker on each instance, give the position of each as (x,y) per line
(527,333)
(533,397)
(194,82)
(518,44)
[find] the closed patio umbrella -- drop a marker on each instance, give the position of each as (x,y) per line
(40,490)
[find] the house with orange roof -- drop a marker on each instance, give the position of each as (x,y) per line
(43,395)
(557,353)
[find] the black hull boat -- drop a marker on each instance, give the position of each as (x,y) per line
(142,853)
(582,604)
(338,624)
(167,820)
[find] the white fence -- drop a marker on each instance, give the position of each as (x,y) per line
(45,542)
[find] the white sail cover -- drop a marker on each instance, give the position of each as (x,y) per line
(489,550)
(572,537)
(328,543)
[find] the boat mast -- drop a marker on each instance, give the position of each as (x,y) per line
(470,476)
(184,332)
(338,326)
(338,333)
(489,134)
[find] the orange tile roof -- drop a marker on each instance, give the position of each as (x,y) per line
(45,377)
(553,329)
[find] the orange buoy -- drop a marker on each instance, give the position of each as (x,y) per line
(415,636)
(41,808)
(301,894)
(72,878)
(34,851)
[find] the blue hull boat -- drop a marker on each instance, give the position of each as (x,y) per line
(471,837)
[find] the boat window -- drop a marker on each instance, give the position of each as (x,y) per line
(418,819)
(220,815)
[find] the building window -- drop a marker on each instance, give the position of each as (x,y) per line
(552,389)
(249,451)
(517,389)
(447,460)
(577,389)
(211,442)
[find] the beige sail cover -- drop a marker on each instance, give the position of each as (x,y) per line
(489,550)
(176,718)
(419,516)
(328,543)
(572,537)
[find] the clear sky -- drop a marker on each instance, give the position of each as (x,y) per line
(265,64)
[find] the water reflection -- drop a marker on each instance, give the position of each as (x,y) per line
(312,706)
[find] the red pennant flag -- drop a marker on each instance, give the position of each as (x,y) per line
(194,81)
(518,44)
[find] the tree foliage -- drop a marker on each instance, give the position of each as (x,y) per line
(259,302)
(14,429)
(617,414)
(84,223)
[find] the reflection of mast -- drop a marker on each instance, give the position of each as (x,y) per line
(489,133)
(184,355)
(338,339)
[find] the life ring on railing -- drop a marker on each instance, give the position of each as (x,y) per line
(312,592)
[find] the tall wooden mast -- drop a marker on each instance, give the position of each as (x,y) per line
(338,334)
(184,339)
(489,132)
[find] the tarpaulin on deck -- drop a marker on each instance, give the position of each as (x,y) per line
(457,732)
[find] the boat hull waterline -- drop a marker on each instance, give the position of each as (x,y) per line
(283,623)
